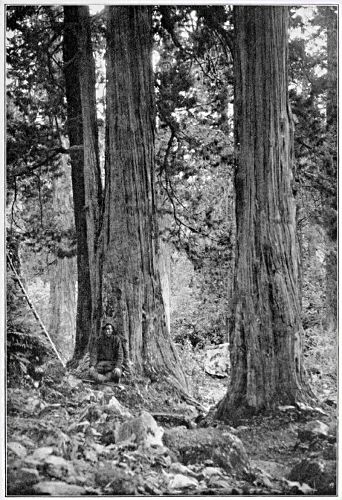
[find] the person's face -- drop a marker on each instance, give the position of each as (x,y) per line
(109,330)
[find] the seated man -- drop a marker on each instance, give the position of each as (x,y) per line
(109,356)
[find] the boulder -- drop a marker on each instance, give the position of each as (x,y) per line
(115,480)
(319,474)
(58,488)
(144,430)
(222,448)
(216,362)
(312,430)
(20,481)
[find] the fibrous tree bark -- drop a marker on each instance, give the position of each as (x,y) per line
(266,334)
(132,293)
(79,73)
(62,273)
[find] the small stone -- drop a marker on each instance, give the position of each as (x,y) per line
(116,407)
(57,467)
(218,482)
(181,469)
(216,362)
(17,448)
(73,382)
(29,476)
(42,453)
(211,471)
(179,482)
(31,463)
(242,428)
(286,408)
(58,488)
(34,405)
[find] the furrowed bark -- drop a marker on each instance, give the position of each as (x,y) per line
(132,292)
(266,336)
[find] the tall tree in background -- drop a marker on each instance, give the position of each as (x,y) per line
(62,275)
(266,336)
(79,72)
(132,293)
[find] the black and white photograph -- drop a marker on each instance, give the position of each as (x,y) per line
(170,249)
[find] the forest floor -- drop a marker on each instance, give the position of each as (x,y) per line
(70,437)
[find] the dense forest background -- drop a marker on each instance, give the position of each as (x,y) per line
(194,166)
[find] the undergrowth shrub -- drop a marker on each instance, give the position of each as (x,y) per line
(321,360)
(27,345)
(192,363)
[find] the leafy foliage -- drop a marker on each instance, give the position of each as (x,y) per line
(27,346)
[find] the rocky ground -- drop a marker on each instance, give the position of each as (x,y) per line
(70,437)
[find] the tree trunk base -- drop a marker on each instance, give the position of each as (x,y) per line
(232,410)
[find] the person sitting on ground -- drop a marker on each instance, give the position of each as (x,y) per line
(109,356)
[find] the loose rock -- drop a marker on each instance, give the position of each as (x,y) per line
(145,429)
(179,482)
(42,453)
(319,474)
(115,407)
(198,445)
(216,361)
(58,488)
(312,430)
(182,469)
(57,467)
(17,448)
(20,481)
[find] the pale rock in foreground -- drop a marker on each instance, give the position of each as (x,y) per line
(144,428)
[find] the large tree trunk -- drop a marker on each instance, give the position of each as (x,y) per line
(75,133)
(266,336)
(331,163)
(79,71)
(92,173)
(132,293)
(62,273)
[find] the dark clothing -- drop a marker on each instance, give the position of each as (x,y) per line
(110,356)
(110,349)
